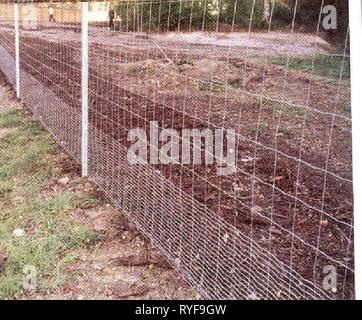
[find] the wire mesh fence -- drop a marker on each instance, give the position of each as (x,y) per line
(272,228)
(7,48)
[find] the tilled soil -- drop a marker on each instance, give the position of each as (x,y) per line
(292,192)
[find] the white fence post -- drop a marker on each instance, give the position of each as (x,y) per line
(85,89)
(17,48)
(355,16)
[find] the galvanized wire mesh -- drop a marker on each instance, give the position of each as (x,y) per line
(7,48)
(264,232)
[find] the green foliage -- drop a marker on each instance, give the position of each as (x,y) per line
(10,119)
(246,13)
(52,237)
(230,15)
(308,12)
(206,15)
(282,15)
(332,67)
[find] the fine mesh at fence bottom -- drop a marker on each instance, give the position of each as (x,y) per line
(61,120)
(7,66)
(215,257)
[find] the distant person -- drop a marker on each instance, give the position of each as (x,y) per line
(111,18)
(51,14)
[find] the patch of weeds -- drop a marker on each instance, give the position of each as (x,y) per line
(4,191)
(10,285)
(11,119)
(35,129)
(337,82)
(285,108)
(88,202)
(324,65)
(81,237)
(27,160)
(24,147)
(52,206)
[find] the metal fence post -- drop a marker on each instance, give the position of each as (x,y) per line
(84,89)
(17,48)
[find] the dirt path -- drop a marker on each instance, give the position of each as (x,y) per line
(123,264)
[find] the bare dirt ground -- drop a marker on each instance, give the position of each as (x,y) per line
(123,265)
(272,43)
(281,115)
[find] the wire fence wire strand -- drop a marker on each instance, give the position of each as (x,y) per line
(268,230)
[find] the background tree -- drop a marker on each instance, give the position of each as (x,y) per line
(227,15)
